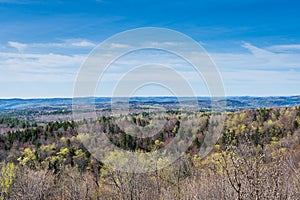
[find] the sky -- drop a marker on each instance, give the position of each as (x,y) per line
(255,44)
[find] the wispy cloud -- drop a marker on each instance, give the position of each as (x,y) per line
(119,45)
(17,45)
(19,1)
(258,52)
(164,44)
(260,71)
(283,48)
(257,59)
(241,71)
(69,43)
(83,43)
(38,67)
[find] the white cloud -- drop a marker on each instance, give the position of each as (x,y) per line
(260,69)
(38,67)
(164,44)
(256,51)
(17,1)
(259,72)
(70,43)
(257,59)
(288,47)
(83,43)
(17,45)
(119,45)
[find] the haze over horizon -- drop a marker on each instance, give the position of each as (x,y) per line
(255,45)
(145,97)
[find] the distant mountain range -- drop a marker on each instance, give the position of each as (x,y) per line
(232,103)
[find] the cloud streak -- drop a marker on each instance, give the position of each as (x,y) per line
(17,45)
(38,67)
(284,48)
(70,43)
(256,72)
(19,1)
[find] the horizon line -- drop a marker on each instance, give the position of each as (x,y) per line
(228,96)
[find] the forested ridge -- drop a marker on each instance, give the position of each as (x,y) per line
(257,156)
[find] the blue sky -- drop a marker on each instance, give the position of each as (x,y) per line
(255,44)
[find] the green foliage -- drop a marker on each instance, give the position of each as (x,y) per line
(15,123)
(58,148)
(29,158)
(7,177)
(58,144)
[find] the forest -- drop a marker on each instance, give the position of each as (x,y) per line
(256,156)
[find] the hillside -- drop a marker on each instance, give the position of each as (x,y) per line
(255,150)
(233,103)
